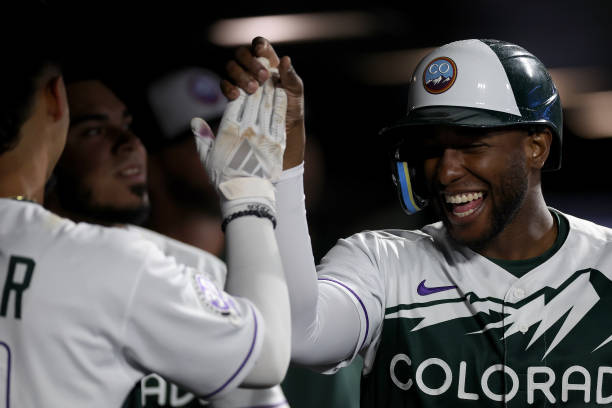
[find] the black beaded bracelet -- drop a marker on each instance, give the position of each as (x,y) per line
(256,210)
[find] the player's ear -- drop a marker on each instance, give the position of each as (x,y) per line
(55,98)
(537,147)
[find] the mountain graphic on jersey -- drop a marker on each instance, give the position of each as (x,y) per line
(552,347)
(567,305)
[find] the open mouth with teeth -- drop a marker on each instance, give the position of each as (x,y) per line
(463,204)
(131,174)
(130,171)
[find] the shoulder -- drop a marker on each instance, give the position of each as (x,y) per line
(116,240)
(383,246)
(396,238)
(170,245)
(31,223)
(391,236)
(587,243)
(587,246)
(108,249)
(588,230)
(186,254)
(26,217)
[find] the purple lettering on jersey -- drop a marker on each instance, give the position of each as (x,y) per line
(6,363)
(424,290)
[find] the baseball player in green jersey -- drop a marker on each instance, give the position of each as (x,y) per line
(504,301)
(86,188)
(85,310)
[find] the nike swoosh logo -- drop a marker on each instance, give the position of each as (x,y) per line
(424,290)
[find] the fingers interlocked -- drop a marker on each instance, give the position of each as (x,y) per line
(251,138)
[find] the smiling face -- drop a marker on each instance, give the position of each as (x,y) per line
(102,172)
(478,180)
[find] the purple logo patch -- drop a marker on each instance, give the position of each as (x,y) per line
(439,75)
(214,298)
(424,290)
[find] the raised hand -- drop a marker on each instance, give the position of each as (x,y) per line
(247,73)
(246,157)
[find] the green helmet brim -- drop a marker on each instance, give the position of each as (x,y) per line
(469,118)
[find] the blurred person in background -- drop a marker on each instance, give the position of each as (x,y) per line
(101,176)
(185,206)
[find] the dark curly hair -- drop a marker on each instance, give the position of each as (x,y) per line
(25,58)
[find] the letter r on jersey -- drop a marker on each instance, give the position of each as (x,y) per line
(18,287)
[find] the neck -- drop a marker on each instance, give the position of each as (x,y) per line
(186,224)
(24,172)
(52,203)
(531,233)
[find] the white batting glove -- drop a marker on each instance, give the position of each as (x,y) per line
(247,155)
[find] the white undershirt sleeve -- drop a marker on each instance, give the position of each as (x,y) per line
(326,318)
(255,272)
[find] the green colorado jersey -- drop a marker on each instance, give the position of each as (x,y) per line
(443,326)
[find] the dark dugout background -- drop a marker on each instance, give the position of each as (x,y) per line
(354,85)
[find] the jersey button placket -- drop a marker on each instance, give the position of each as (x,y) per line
(518,357)
(508,301)
(518,294)
(514,346)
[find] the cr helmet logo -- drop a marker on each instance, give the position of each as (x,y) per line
(439,75)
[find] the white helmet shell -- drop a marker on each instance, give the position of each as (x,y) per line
(462,73)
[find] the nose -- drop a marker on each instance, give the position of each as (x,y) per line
(126,141)
(450,166)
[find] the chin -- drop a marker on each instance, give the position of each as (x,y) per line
(475,235)
(132,197)
(120,214)
(474,241)
(130,203)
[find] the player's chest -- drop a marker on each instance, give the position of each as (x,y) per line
(451,338)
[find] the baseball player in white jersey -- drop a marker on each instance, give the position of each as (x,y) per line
(504,302)
(85,310)
(154,390)
(99,139)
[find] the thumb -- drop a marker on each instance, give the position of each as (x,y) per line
(204,137)
(290,80)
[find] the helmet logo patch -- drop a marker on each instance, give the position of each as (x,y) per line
(439,75)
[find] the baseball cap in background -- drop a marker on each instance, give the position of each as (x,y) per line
(179,96)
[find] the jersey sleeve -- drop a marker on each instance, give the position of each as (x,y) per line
(186,254)
(272,397)
(351,267)
(334,312)
(184,327)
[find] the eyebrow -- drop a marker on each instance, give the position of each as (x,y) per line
(94,116)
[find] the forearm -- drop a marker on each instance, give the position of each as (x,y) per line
(296,249)
(255,272)
(325,322)
(252,398)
